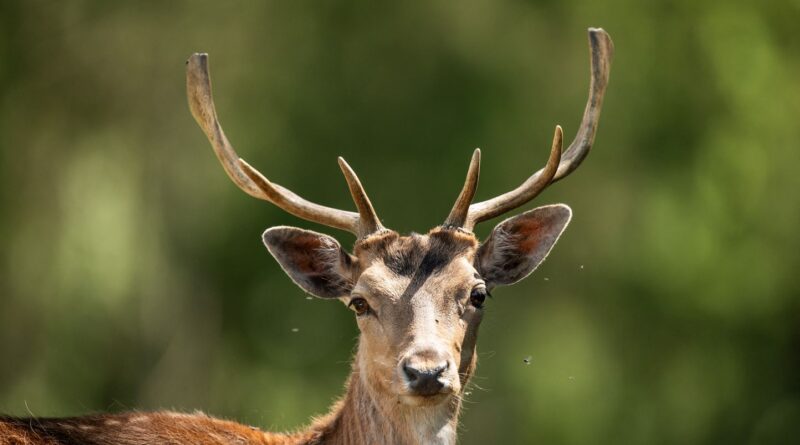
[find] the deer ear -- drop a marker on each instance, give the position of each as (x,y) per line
(518,245)
(315,262)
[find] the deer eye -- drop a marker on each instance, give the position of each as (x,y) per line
(359,305)
(478,296)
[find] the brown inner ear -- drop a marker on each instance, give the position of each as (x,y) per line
(304,253)
(529,233)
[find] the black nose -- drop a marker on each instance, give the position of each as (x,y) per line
(425,382)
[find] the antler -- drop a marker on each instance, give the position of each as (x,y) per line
(252,182)
(558,165)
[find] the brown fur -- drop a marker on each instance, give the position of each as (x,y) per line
(136,429)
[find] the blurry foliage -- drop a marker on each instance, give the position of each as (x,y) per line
(132,275)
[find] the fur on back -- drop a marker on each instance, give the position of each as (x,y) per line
(167,428)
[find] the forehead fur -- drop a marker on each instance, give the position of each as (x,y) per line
(414,254)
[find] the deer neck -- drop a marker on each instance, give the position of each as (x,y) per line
(367,414)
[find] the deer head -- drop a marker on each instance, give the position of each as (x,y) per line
(418,299)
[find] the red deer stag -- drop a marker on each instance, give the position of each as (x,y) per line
(418,299)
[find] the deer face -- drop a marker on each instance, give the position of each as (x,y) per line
(412,304)
(418,300)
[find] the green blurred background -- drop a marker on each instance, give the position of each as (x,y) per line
(132,275)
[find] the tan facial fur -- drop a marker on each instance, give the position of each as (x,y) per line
(418,290)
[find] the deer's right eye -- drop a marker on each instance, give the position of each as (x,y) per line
(359,305)
(478,296)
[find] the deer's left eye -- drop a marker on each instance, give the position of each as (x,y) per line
(478,296)
(359,305)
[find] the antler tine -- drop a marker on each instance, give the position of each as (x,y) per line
(368,218)
(602,50)
(250,180)
(522,194)
(458,215)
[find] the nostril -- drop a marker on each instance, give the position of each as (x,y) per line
(411,373)
(425,381)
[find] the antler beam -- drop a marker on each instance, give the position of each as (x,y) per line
(252,182)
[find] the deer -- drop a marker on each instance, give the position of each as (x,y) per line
(418,300)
